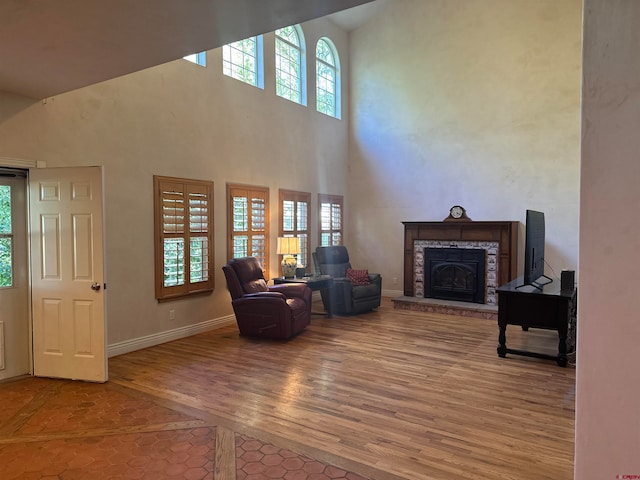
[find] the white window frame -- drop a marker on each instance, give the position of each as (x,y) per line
(8,236)
(236,52)
(290,84)
(199,58)
(324,85)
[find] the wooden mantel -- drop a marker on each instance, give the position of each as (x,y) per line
(505,233)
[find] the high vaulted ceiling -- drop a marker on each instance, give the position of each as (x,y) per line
(49,47)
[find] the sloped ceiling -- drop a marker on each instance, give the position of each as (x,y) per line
(48,47)
(354,18)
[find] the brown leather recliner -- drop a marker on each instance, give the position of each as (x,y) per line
(277,311)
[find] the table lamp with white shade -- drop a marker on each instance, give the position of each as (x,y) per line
(289,247)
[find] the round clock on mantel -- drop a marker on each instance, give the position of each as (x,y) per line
(457,212)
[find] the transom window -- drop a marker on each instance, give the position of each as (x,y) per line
(199,58)
(327,78)
(242,60)
(330,219)
(290,67)
(184,236)
(248,223)
(294,220)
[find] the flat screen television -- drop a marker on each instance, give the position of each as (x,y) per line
(534,250)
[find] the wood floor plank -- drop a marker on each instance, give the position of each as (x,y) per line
(225,454)
(407,394)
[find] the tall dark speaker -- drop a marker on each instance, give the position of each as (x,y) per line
(567,281)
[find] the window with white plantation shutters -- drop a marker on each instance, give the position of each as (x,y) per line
(330,219)
(199,238)
(184,236)
(294,220)
(248,224)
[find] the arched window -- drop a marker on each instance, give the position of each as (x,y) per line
(243,60)
(327,78)
(290,64)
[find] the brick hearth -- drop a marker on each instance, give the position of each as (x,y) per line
(447,307)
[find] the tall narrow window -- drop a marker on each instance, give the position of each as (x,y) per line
(290,67)
(248,223)
(242,60)
(294,220)
(327,78)
(330,218)
(184,236)
(6,238)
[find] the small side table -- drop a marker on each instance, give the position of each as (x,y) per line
(316,282)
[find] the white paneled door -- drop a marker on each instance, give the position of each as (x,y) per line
(69,334)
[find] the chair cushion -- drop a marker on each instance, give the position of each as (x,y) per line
(358,277)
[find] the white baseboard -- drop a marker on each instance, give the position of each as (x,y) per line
(182,332)
(167,336)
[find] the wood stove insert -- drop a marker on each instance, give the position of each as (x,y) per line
(455,274)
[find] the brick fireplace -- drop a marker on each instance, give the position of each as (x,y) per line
(499,240)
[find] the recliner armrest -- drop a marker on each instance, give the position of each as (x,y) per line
(259,302)
(290,290)
(265,295)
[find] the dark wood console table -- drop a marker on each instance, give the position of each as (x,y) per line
(528,307)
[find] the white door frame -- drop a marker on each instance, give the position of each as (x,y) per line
(27,164)
(15,326)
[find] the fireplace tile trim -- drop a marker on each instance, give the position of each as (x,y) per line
(491,280)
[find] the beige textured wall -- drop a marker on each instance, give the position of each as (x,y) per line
(608,384)
(182,120)
(470,102)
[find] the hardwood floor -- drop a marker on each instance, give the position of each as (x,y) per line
(392,394)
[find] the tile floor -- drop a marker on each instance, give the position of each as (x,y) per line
(58,429)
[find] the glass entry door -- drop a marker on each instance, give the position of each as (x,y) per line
(14,278)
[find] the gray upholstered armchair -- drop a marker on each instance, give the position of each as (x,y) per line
(354,291)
